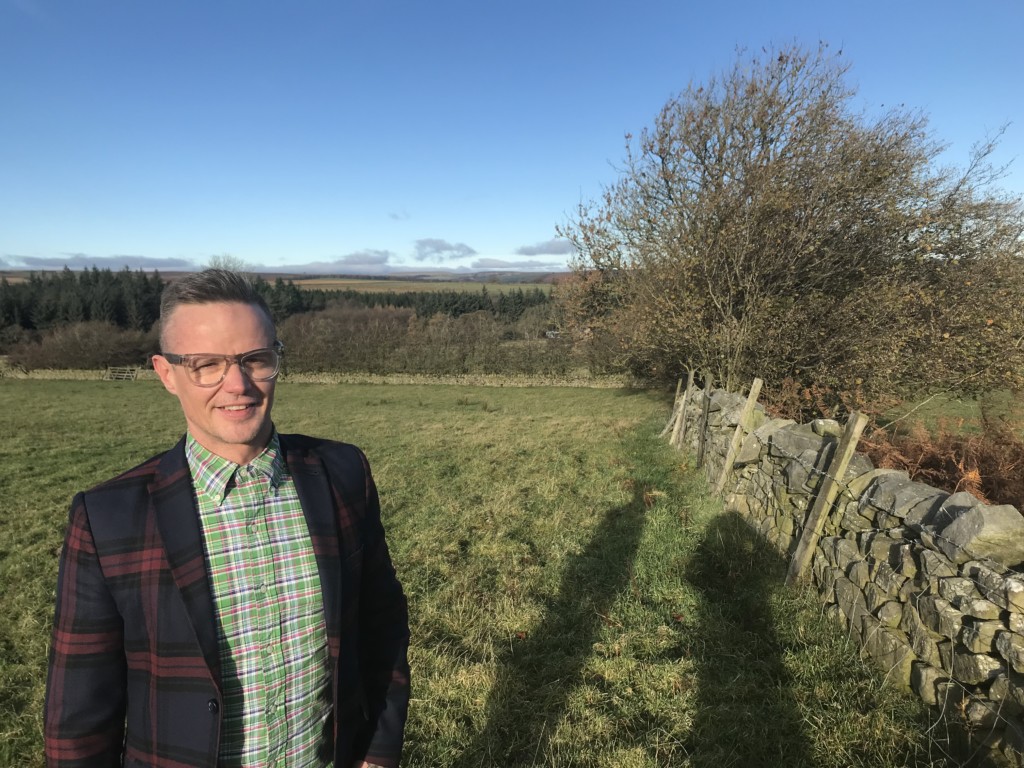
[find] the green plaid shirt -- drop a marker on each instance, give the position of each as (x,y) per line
(270,617)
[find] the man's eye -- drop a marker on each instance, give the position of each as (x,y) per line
(205,365)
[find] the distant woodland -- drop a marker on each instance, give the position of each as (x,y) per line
(97,318)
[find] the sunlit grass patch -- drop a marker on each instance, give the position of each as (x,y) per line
(576,596)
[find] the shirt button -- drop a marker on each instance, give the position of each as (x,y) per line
(213,706)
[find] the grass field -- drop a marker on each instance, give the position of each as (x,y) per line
(370,285)
(576,598)
(960,414)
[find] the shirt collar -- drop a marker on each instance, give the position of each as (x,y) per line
(212,474)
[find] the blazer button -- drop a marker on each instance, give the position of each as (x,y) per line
(213,706)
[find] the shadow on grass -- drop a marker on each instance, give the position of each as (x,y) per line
(538,672)
(745,713)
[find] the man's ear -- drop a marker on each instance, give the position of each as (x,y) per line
(165,371)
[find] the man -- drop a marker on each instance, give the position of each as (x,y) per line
(230,602)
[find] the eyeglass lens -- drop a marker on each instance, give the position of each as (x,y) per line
(258,366)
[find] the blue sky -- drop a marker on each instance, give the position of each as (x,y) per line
(380,135)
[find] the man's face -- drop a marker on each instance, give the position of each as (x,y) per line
(231,419)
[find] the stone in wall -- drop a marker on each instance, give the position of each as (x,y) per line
(739,503)
(850,601)
(926,514)
(1011,648)
(983,531)
(889,614)
(978,608)
(885,576)
(852,520)
(789,442)
(749,452)
(859,573)
(980,636)
(764,432)
(1006,591)
(856,487)
(956,588)
(923,641)
(1009,688)
(931,684)
(981,715)
(858,466)
(974,668)
(827,547)
(894,496)
(878,546)
(946,654)
(846,552)
(1012,744)
(1016,622)
(903,561)
(874,597)
(827,428)
(888,648)
(725,408)
(798,472)
(934,567)
(940,616)
(824,577)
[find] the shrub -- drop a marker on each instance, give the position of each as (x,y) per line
(87,345)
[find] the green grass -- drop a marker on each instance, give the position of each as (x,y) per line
(959,415)
(576,598)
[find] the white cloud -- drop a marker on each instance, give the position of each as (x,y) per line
(531,265)
(85,261)
(434,249)
(366,258)
(556,247)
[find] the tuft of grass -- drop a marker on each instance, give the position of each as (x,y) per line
(576,597)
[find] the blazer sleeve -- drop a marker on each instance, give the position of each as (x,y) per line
(86,682)
(384,638)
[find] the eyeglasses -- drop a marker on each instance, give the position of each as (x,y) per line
(208,370)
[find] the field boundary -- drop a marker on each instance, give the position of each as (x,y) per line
(926,582)
(469,379)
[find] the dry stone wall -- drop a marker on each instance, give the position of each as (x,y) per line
(930,583)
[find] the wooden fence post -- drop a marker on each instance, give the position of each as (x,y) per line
(702,438)
(675,404)
(827,493)
(680,429)
(737,436)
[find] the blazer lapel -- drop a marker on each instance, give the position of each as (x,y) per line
(314,493)
(178,522)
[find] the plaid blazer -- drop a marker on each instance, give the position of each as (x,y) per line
(134,676)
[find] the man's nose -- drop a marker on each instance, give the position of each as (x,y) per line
(236,379)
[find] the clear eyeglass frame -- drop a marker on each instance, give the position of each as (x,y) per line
(209,369)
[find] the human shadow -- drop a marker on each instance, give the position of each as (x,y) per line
(539,671)
(745,714)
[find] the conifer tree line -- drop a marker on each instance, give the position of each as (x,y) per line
(96,318)
(131,300)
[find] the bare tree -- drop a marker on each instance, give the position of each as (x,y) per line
(229,262)
(760,202)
